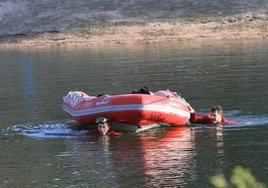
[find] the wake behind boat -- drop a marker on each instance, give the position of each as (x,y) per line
(128,111)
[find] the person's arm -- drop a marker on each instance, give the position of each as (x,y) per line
(227,122)
(205,119)
(194,118)
(191,110)
(114,133)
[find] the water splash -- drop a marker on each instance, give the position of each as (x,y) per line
(68,129)
(46,130)
(242,122)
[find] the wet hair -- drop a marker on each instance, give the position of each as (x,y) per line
(217,109)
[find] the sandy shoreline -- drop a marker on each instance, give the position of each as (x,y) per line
(246,27)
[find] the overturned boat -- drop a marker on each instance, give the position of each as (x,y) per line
(128,112)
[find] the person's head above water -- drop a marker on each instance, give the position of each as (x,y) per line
(103,126)
(216,114)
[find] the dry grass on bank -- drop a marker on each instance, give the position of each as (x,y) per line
(246,27)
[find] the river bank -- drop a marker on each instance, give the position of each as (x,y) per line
(242,27)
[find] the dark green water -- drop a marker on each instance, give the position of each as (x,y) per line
(38,149)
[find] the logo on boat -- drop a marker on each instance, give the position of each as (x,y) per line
(103,102)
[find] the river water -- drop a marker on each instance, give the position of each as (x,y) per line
(40,147)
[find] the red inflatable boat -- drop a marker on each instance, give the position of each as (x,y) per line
(142,110)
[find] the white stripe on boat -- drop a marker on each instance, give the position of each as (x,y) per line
(132,107)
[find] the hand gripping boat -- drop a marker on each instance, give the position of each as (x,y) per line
(134,110)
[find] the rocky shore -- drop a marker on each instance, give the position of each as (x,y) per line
(245,27)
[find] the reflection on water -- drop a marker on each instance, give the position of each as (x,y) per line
(29,90)
(156,157)
(169,157)
(37,138)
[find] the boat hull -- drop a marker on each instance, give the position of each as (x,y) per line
(131,109)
